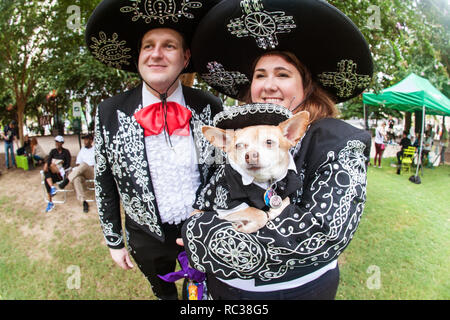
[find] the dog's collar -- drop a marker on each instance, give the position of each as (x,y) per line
(248,179)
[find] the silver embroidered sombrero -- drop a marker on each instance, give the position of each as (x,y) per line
(235,32)
(251,115)
(116,27)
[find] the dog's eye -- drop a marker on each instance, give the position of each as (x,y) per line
(239,146)
(270,143)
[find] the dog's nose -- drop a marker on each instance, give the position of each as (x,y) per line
(251,157)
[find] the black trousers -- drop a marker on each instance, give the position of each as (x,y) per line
(399,157)
(322,288)
(154,257)
(55,178)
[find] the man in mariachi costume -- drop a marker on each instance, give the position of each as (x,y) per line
(150,154)
(305,240)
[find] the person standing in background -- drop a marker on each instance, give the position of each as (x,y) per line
(9,135)
(380,138)
(444,143)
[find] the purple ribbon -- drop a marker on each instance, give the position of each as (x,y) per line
(188,273)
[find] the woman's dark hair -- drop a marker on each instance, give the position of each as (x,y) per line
(316,100)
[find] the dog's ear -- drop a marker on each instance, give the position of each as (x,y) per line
(219,138)
(294,128)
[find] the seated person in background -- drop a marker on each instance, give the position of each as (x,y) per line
(54,169)
(427,144)
(26,148)
(83,171)
(37,152)
(417,141)
(404,143)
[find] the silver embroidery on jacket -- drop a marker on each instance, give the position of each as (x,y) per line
(338,196)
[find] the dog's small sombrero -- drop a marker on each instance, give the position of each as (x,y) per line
(251,115)
(235,32)
(116,27)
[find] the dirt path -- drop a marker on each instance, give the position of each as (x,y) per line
(27,193)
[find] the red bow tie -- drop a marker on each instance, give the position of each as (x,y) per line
(151,118)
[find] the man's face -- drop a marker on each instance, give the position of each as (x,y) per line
(58,145)
(88,143)
(162,58)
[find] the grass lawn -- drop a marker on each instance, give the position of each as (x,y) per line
(400,251)
(402,247)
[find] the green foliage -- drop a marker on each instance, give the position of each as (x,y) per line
(409,36)
(42,48)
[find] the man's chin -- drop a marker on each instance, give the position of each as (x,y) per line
(159,83)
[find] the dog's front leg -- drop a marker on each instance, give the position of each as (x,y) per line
(248,220)
(273,213)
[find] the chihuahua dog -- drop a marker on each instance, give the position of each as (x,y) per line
(262,152)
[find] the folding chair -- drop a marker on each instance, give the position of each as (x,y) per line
(63,192)
(92,188)
(407,158)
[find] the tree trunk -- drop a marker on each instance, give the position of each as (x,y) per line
(20,116)
(366,116)
(418,117)
(407,121)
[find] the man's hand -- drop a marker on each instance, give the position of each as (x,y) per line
(121,257)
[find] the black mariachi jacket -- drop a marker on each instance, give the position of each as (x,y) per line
(212,197)
(311,232)
(121,168)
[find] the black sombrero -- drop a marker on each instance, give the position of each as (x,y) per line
(116,27)
(251,115)
(235,32)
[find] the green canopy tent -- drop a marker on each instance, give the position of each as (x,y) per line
(413,93)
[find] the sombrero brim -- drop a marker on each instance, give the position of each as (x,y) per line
(116,27)
(235,32)
(251,115)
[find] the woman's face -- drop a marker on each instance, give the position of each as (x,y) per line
(276,81)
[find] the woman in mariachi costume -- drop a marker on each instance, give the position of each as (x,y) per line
(302,55)
(151,156)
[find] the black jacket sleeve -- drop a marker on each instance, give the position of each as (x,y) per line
(311,232)
(106,193)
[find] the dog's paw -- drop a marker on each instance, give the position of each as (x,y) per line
(246,226)
(248,220)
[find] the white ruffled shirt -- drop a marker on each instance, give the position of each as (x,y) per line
(174,173)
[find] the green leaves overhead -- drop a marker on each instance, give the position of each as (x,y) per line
(42,48)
